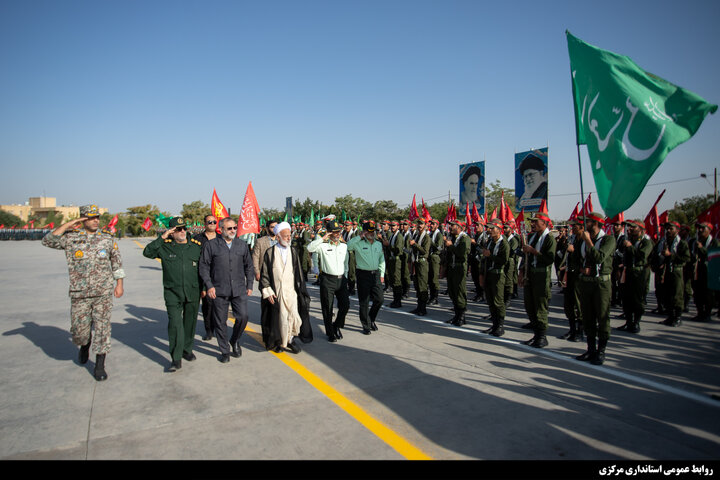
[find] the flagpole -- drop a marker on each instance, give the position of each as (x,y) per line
(582,191)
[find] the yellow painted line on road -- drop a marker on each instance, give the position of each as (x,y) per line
(384,433)
(141,246)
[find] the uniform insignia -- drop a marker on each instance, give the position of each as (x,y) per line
(115,247)
(102,253)
(167,240)
(79,254)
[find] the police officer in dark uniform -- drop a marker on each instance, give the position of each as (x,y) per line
(181,284)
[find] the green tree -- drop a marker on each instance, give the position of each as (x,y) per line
(493,195)
(686,212)
(135,217)
(10,220)
(195,212)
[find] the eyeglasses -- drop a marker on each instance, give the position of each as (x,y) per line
(211,223)
(230,228)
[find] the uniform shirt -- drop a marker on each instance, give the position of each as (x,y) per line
(93,259)
(181,280)
(368,256)
(333,256)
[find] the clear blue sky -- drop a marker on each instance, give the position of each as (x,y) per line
(125,103)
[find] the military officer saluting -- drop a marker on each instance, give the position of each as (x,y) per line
(96,274)
(180,257)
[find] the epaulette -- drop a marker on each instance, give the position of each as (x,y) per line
(106,231)
(168,240)
(195,241)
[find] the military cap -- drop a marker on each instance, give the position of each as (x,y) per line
(386,222)
(531,162)
(89,211)
(394,222)
(332,226)
(347,222)
(540,216)
(354,223)
(369,226)
(495,223)
(685,227)
(457,222)
(672,224)
(318,222)
(635,223)
(598,217)
(420,221)
(177,222)
(403,222)
(707,225)
(435,221)
(576,221)
(509,224)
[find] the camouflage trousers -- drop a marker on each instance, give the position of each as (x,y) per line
(86,312)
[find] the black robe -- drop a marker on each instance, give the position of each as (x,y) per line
(270,313)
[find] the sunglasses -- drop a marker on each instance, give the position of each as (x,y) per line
(230,228)
(179,229)
(211,223)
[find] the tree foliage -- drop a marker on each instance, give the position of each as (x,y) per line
(10,220)
(686,212)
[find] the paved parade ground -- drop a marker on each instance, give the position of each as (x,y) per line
(417,388)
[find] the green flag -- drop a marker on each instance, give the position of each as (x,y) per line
(286,217)
(163,220)
(629,119)
(312,216)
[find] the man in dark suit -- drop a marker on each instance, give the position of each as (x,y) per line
(226,269)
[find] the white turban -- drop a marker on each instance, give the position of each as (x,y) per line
(280,227)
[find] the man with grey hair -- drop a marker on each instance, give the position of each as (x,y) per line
(227,272)
(285,307)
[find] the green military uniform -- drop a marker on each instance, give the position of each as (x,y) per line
(437,246)
(634,279)
(477,245)
(688,269)
(495,277)
(596,290)
(420,252)
(511,267)
(94,266)
(537,282)
(396,249)
(671,274)
(405,260)
(571,299)
(457,258)
(704,297)
(181,289)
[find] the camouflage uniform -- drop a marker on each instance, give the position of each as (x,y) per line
(94,264)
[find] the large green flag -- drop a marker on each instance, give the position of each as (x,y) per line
(629,119)
(312,217)
(163,220)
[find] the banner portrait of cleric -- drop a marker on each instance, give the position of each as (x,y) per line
(531,179)
(472,186)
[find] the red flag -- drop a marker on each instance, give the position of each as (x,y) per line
(508,214)
(26,226)
(575,212)
(543,207)
(475,214)
(652,220)
(218,209)
(587,207)
(711,215)
(2,226)
(493,215)
(12,228)
(620,217)
(451,214)
(249,217)
(425,213)
(485,217)
(49,225)
(413,210)
(664,217)
(502,206)
(520,220)
(147,224)
(470,226)
(112,223)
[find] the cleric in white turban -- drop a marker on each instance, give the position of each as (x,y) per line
(285,303)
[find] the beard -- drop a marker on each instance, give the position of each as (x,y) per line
(282,242)
(228,235)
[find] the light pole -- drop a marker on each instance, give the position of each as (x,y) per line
(715,193)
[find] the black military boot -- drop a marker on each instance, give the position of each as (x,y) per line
(423,303)
(591,351)
(494,324)
(84,353)
(635,326)
(540,340)
(433,300)
(100,373)
(460,320)
(499,329)
(628,322)
(397,293)
(599,358)
(579,333)
(570,333)
(454,317)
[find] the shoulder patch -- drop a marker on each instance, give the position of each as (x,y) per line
(195,242)
(167,240)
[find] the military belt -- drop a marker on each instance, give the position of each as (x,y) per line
(495,270)
(601,278)
(540,269)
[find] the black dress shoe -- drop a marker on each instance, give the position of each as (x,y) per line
(224,358)
(294,347)
(236,350)
(373,326)
(189,356)
(528,326)
(586,357)
(366,331)
(332,338)
(175,366)
(208,336)
(338,333)
(277,349)
(564,336)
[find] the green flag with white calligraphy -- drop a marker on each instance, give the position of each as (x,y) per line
(629,119)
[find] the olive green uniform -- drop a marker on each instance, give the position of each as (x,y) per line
(457,258)
(495,278)
(511,269)
(636,278)
(571,299)
(181,290)
(671,276)
(595,287)
(437,240)
(704,297)
(537,282)
(420,252)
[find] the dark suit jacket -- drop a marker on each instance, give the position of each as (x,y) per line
(229,271)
